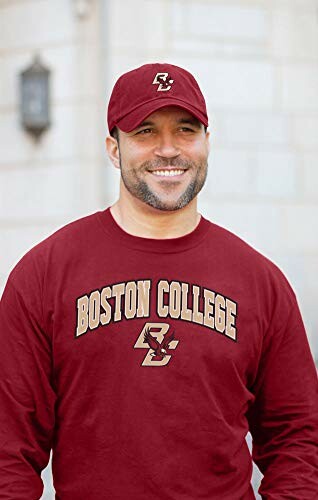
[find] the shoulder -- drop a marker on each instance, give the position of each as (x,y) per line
(59,245)
(245,260)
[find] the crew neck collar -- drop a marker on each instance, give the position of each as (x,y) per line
(168,245)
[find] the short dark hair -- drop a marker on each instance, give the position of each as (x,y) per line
(115,133)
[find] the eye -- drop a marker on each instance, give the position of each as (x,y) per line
(186,129)
(144,131)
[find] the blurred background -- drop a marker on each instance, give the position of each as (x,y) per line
(257,64)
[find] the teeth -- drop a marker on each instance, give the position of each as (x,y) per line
(168,173)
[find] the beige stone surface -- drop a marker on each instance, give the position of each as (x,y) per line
(310,179)
(276,175)
(35,23)
(294,31)
(300,229)
(229,174)
(209,19)
(299,87)
(257,129)
(305,131)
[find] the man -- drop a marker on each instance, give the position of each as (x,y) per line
(141,343)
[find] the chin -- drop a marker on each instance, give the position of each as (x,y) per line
(146,195)
(167,206)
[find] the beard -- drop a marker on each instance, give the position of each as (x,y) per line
(143,192)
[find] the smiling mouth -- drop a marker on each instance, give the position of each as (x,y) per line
(167,172)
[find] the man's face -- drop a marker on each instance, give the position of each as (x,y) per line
(163,162)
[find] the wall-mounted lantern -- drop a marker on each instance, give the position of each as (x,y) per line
(35,103)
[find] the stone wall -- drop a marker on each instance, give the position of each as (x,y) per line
(43,185)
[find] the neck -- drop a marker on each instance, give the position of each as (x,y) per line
(139,219)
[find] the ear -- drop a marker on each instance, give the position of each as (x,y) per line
(113,150)
(207,139)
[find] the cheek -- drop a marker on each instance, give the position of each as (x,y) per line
(198,154)
(196,149)
(132,157)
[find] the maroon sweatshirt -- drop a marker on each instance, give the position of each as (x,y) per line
(143,363)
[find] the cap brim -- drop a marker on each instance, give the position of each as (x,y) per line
(136,117)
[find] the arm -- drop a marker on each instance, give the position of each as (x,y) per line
(284,418)
(26,395)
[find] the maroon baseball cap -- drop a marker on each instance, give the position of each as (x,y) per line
(142,91)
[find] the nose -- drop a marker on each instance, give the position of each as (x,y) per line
(167,147)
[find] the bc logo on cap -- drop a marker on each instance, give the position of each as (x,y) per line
(161,79)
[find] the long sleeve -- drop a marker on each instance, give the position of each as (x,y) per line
(284,418)
(26,395)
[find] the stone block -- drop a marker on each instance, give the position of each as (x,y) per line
(11,67)
(134,24)
(207,19)
(183,45)
(74,131)
(34,24)
(228,174)
(300,5)
(310,271)
(59,141)
(45,191)
(74,71)
(177,17)
(110,178)
(299,87)
(294,32)
(305,130)
(300,227)
(212,47)
(254,129)
(16,145)
(216,130)
(310,175)
(276,175)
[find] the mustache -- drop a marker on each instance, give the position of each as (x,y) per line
(166,162)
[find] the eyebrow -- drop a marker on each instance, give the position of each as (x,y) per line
(190,121)
(145,124)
